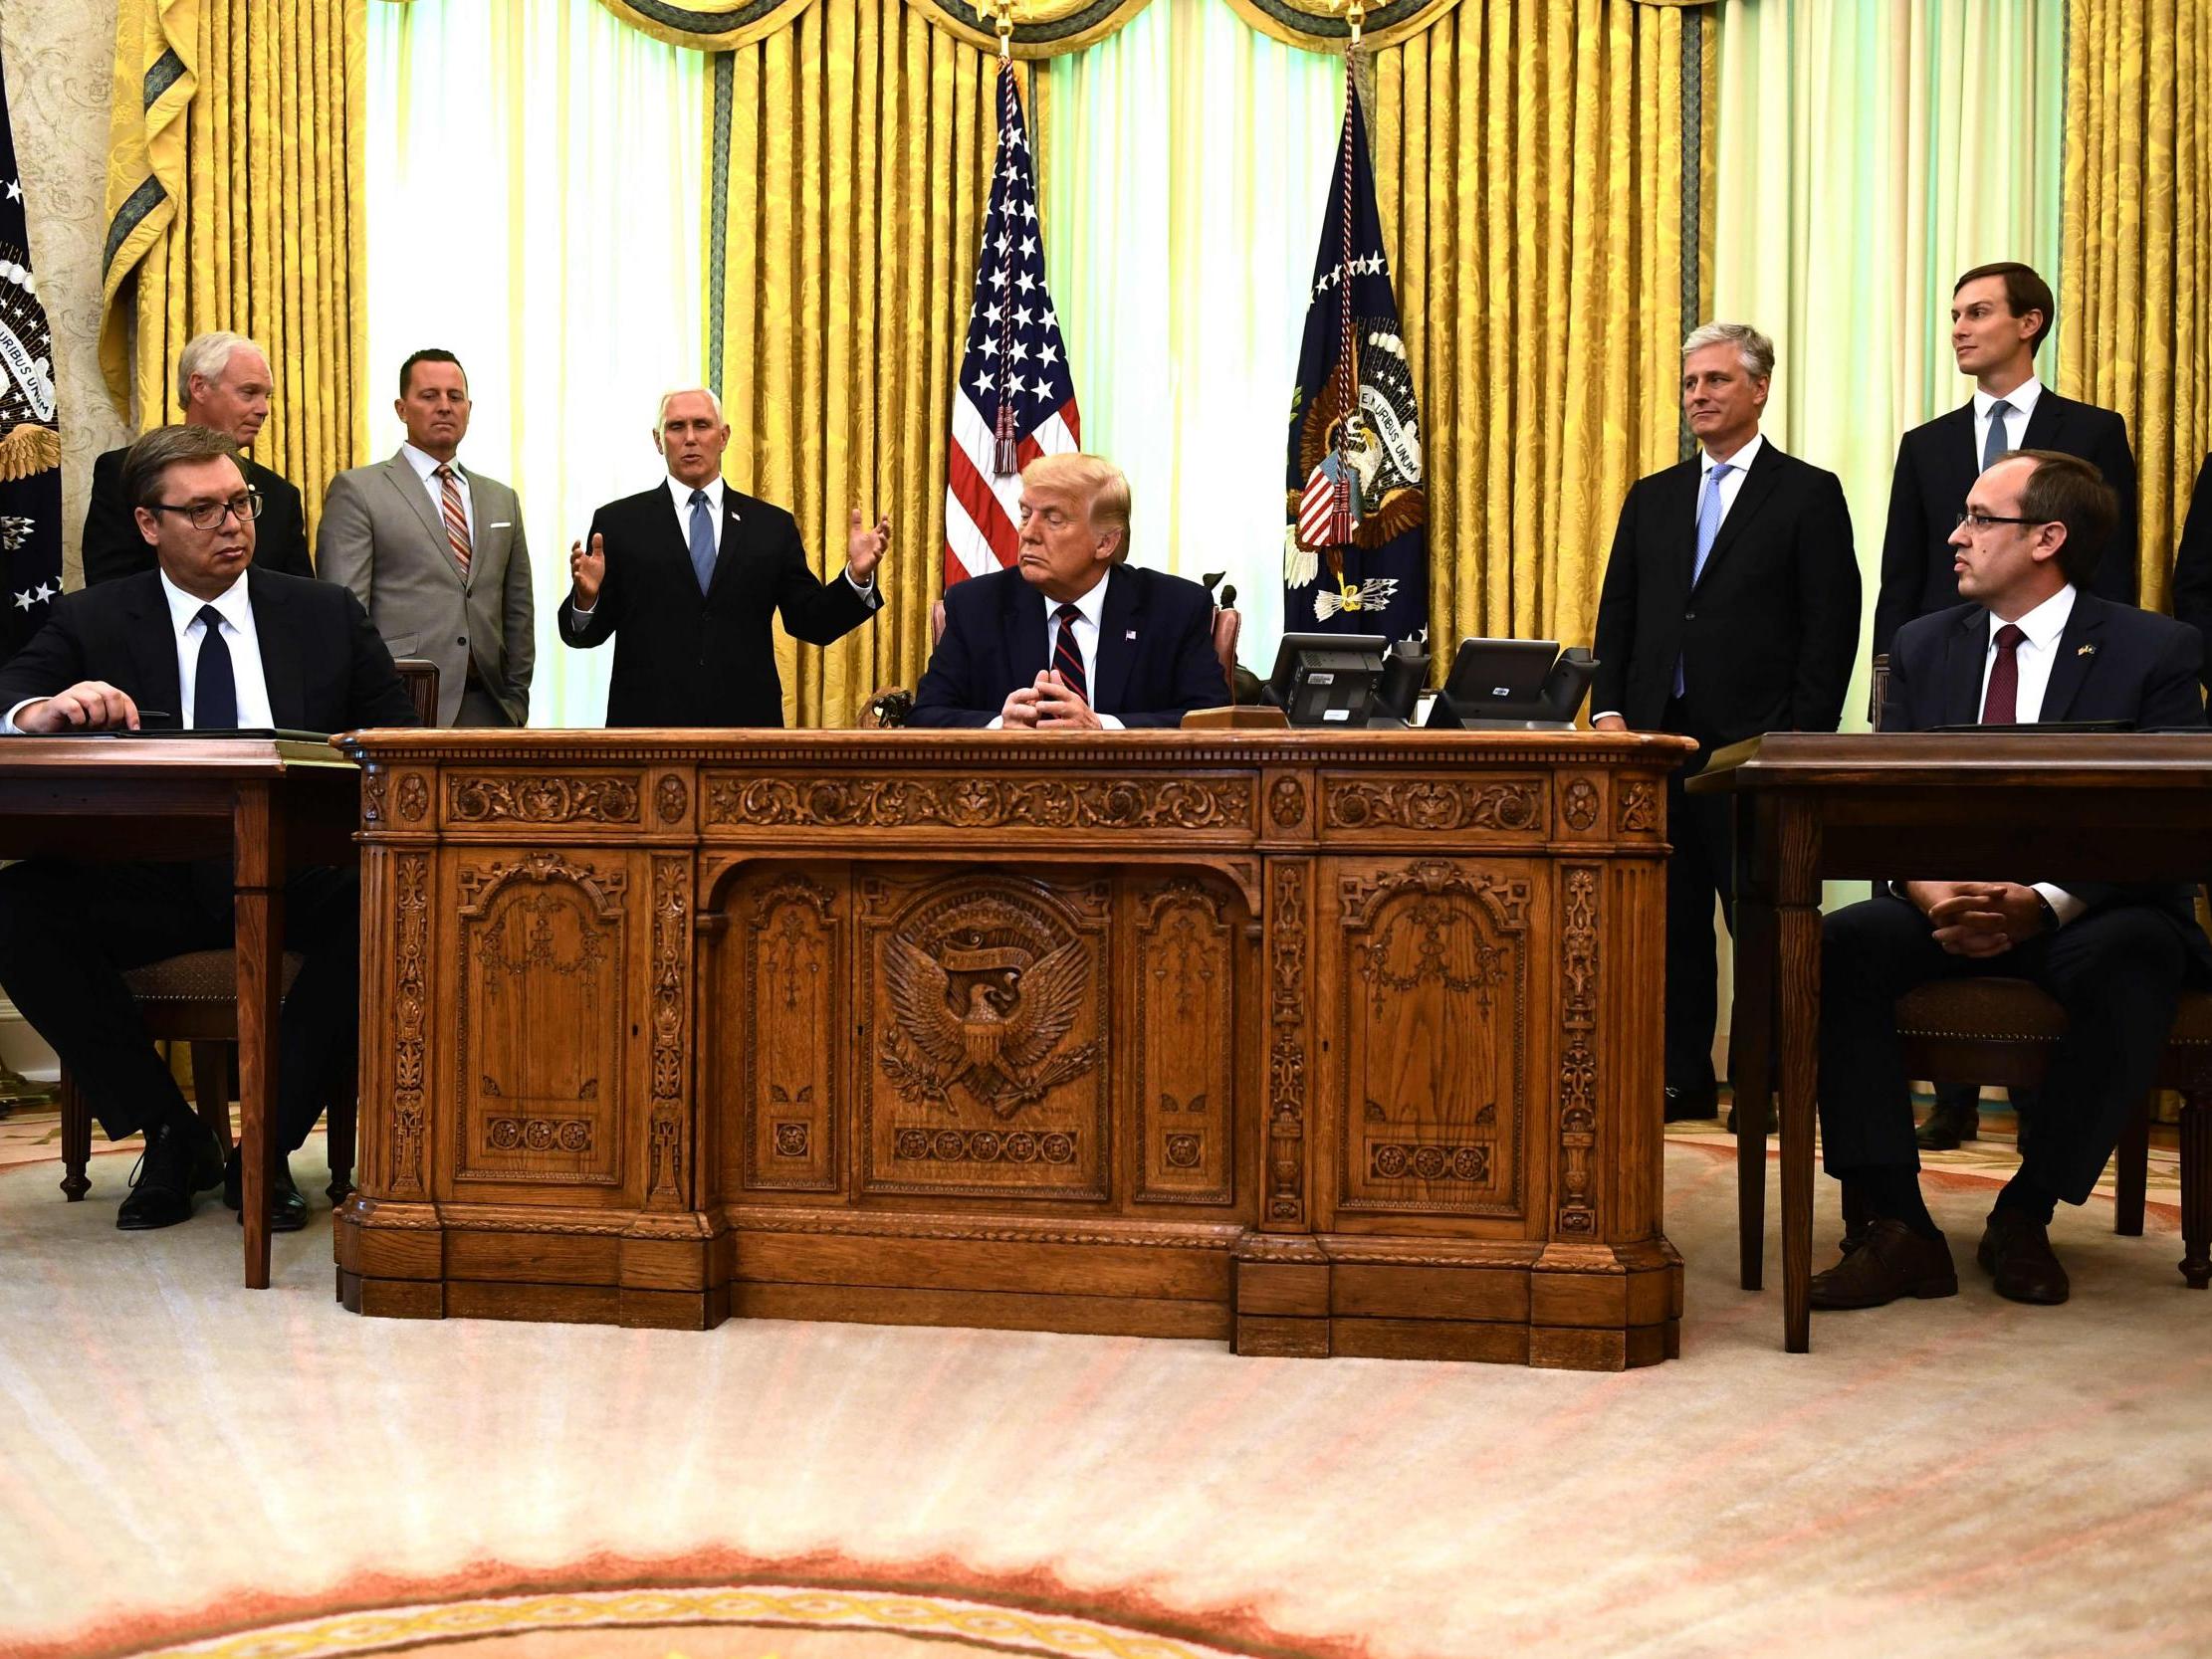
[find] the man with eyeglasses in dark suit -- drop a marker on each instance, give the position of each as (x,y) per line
(208,642)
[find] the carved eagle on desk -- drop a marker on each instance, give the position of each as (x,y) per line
(989,1023)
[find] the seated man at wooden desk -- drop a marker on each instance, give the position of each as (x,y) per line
(1073,638)
(203,641)
(2031,645)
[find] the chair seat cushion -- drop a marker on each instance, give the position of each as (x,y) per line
(1980,1010)
(198,977)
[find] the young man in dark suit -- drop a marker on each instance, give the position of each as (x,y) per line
(685,576)
(2030,644)
(2000,315)
(223,381)
(1073,638)
(205,641)
(1730,608)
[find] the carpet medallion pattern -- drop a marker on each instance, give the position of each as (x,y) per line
(754,1622)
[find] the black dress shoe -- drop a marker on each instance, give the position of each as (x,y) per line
(1685,1104)
(181,1158)
(2016,1252)
(288,1206)
(1892,1261)
(1948,1125)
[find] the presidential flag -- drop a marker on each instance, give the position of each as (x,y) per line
(30,432)
(1355,537)
(1015,398)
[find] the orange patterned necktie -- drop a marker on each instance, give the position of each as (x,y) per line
(456,519)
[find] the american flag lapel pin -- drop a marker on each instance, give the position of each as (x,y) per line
(2085,650)
(1132,634)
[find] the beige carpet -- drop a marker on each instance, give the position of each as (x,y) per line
(267,1477)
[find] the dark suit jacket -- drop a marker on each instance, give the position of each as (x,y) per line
(2137,666)
(683,660)
(1156,658)
(2192,561)
(1938,464)
(326,668)
(1767,635)
(114,547)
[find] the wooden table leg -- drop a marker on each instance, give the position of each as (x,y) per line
(258,897)
(1751,1039)
(1799,991)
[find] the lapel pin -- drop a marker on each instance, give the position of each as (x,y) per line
(1132,634)
(2084,651)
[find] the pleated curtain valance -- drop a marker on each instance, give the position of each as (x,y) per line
(1046,28)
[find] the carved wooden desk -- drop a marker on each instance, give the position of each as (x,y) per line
(1815,806)
(1337,1044)
(268,805)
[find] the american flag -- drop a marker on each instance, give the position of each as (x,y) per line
(30,426)
(1016,399)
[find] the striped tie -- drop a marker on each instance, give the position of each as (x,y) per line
(456,518)
(1067,656)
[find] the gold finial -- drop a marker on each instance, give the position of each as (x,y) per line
(1355,14)
(1003,23)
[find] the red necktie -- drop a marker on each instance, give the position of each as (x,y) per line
(2001,702)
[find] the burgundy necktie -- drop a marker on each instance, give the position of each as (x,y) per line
(2001,702)
(1067,656)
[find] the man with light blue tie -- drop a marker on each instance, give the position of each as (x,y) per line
(1730,608)
(685,577)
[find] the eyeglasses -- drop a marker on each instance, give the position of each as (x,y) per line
(207,515)
(1982,520)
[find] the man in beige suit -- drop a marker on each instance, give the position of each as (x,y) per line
(436,553)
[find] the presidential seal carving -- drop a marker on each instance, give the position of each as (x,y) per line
(983,989)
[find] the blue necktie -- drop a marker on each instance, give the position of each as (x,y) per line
(1994,445)
(214,685)
(702,541)
(1708,531)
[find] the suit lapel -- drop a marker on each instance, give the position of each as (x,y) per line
(2045,422)
(726,555)
(1957,458)
(1758,484)
(1962,682)
(2077,653)
(404,479)
(1120,627)
(1023,632)
(282,671)
(153,649)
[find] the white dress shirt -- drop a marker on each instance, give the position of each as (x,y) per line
(1089,609)
(2022,398)
(235,606)
(2036,656)
(679,492)
(1730,487)
(426,467)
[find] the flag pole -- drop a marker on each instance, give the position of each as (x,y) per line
(1355,14)
(1004,460)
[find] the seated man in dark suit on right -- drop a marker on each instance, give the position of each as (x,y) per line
(206,640)
(2029,645)
(1073,637)
(2193,559)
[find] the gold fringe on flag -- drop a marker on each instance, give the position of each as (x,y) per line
(29,450)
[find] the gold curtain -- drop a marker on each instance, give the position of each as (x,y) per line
(1044,28)
(849,161)
(2135,331)
(235,200)
(1529,161)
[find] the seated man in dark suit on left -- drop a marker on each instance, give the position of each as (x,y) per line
(2031,645)
(1072,637)
(206,640)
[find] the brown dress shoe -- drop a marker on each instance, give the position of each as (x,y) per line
(2016,1252)
(1893,1261)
